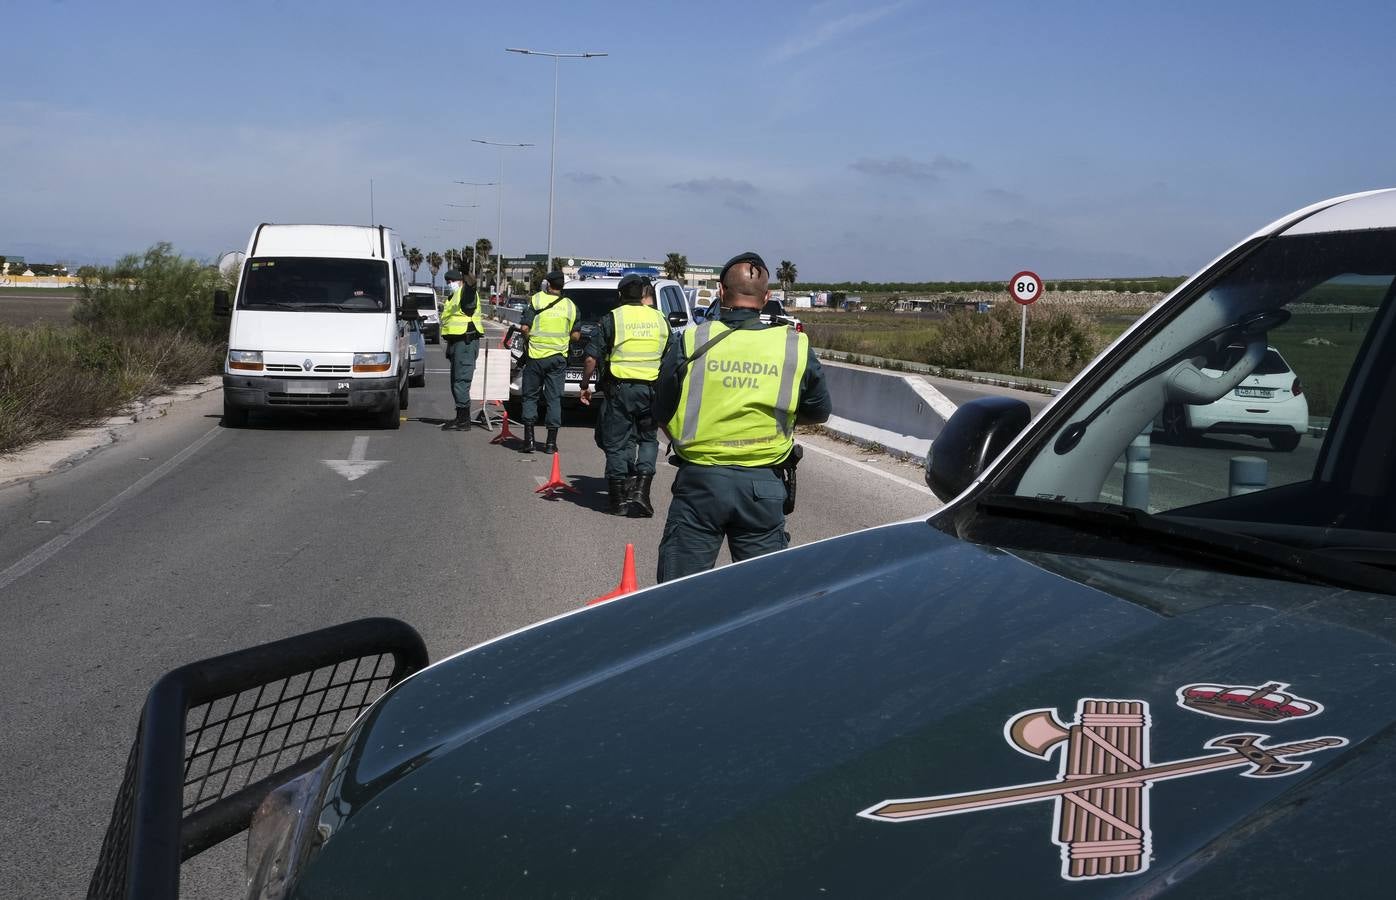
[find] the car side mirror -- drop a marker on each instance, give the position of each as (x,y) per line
(973,438)
(409,313)
(678,318)
(221,306)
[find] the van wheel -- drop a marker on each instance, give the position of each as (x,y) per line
(392,416)
(1285,442)
(233,416)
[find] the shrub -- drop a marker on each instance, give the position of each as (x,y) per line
(1060,341)
(54,379)
(157,291)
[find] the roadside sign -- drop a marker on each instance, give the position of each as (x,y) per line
(1025,287)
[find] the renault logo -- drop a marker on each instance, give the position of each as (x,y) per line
(307,366)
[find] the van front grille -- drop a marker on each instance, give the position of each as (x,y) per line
(332,368)
(287,398)
(282,367)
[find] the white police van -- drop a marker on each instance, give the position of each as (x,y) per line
(595,292)
(318,323)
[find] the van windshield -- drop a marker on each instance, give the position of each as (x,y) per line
(303,283)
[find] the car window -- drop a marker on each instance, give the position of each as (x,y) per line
(593,303)
(1267,383)
(424,301)
(673,301)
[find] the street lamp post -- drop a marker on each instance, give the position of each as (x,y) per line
(499,226)
(552,154)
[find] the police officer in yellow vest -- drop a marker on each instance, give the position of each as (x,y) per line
(461,328)
(550,323)
(630,340)
(731,392)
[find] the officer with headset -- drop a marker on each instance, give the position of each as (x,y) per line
(630,341)
(730,393)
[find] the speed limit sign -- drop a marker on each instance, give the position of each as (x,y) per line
(1025,287)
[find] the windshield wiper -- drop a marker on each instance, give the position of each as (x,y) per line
(269,304)
(1225,549)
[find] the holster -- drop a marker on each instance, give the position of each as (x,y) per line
(786,470)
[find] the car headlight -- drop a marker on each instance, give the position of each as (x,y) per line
(245,360)
(372,362)
(412,351)
(278,832)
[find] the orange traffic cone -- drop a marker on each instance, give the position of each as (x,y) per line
(628,584)
(555,481)
(504,433)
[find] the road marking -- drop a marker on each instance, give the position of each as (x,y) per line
(943,405)
(355,466)
(904,482)
(38,556)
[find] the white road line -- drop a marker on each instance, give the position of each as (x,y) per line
(943,405)
(40,555)
(904,482)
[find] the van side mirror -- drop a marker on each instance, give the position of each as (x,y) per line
(409,313)
(678,318)
(221,306)
(973,438)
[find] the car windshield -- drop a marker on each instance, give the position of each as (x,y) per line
(424,301)
(322,285)
(593,303)
(1254,403)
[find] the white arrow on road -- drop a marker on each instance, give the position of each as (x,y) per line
(355,466)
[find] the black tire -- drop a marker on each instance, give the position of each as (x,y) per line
(1285,442)
(1175,425)
(233,416)
(391,417)
(418,380)
(404,395)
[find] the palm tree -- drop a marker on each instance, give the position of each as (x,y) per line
(414,261)
(538,272)
(434,262)
(452,258)
(676,266)
(786,274)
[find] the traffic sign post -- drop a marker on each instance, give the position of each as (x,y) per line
(1025,288)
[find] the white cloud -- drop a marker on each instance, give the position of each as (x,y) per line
(820,33)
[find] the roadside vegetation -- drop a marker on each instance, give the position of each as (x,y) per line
(139,328)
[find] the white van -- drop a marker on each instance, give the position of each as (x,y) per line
(318,323)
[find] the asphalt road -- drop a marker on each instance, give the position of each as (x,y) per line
(184,540)
(19,307)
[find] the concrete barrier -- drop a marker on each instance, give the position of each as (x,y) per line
(902,413)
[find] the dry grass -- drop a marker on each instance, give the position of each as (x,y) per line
(54,379)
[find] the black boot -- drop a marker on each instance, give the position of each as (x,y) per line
(460,423)
(640,496)
(619,496)
(528,439)
(551,445)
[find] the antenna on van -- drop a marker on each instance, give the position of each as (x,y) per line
(371,219)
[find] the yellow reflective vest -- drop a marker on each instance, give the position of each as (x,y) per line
(738,400)
(551,331)
(455,321)
(641,333)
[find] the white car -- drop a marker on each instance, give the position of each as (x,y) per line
(594,298)
(1269,403)
(429,307)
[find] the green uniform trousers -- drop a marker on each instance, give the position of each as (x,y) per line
(744,505)
(462,354)
(626,430)
(543,376)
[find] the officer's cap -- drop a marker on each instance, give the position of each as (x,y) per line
(454,275)
(748,257)
(632,287)
(556,279)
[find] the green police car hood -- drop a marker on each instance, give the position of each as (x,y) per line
(746,733)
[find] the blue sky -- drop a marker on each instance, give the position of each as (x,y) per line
(882,141)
